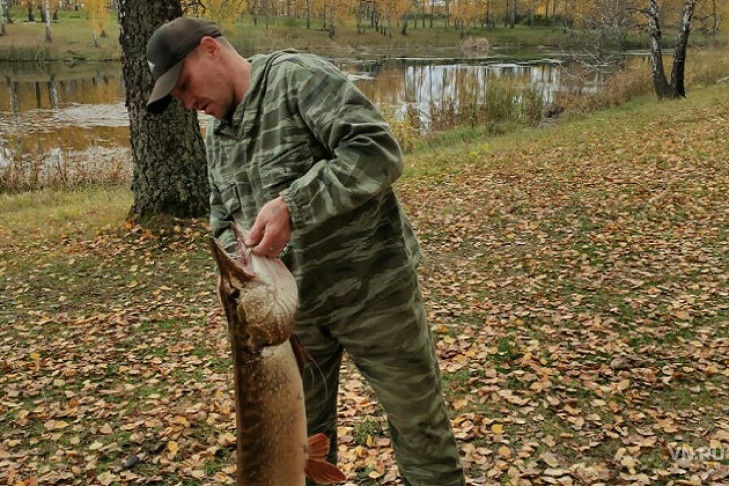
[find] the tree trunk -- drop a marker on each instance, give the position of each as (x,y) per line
(660,83)
(404,30)
(3,18)
(679,56)
(53,92)
(532,6)
(47,19)
(168,153)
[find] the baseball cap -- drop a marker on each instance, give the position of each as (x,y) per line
(166,51)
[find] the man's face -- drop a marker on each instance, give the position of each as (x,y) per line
(203,85)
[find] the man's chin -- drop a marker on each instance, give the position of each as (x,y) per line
(228,115)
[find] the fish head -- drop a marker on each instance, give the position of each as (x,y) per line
(258,294)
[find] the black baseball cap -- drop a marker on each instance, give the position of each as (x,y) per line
(166,51)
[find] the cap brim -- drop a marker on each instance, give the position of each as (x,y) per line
(160,97)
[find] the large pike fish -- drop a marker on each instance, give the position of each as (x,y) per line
(259,297)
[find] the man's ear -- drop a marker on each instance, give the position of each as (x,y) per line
(208,45)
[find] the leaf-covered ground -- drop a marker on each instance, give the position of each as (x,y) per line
(577,282)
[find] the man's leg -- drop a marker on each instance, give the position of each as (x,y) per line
(321,383)
(391,344)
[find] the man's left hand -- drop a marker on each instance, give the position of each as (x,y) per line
(271,230)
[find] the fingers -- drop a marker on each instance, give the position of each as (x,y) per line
(256,232)
(269,246)
(271,230)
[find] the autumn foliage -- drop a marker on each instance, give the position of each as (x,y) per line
(575,280)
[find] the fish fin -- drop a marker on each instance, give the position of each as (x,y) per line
(301,355)
(316,466)
(323,472)
(303,358)
(318,447)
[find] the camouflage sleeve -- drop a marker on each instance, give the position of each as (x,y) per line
(365,158)
(220,221)
(220,218)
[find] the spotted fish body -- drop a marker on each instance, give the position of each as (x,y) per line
(259,296)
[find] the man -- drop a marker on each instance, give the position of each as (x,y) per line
(301,157)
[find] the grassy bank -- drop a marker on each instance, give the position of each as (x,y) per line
(575,278)
(72,39)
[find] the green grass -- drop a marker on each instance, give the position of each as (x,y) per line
(72,38)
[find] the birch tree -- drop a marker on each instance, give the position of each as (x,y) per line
(96,10)
(3,18)
(47,18)
(676,88)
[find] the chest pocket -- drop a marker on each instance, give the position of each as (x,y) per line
(285,155)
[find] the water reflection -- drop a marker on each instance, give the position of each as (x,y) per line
(57,112)
(62,116)
(422,84)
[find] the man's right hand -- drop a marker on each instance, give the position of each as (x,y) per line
(272,229)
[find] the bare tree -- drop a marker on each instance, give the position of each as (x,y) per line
(708,15)
(676,88)
(3,18)
(47,19)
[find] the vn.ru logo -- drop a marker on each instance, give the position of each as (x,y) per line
(686,452)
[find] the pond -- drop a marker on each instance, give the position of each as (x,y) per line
(55,113)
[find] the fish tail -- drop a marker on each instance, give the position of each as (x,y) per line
(317,468)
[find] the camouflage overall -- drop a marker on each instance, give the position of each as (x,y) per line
(306,133)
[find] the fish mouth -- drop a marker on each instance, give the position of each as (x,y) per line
(233,268)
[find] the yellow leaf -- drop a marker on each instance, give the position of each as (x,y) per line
(55,424)
(34,356)
(550,459)
(460,403)
(172,447)
(504,452)
(497,429)
(226,439)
